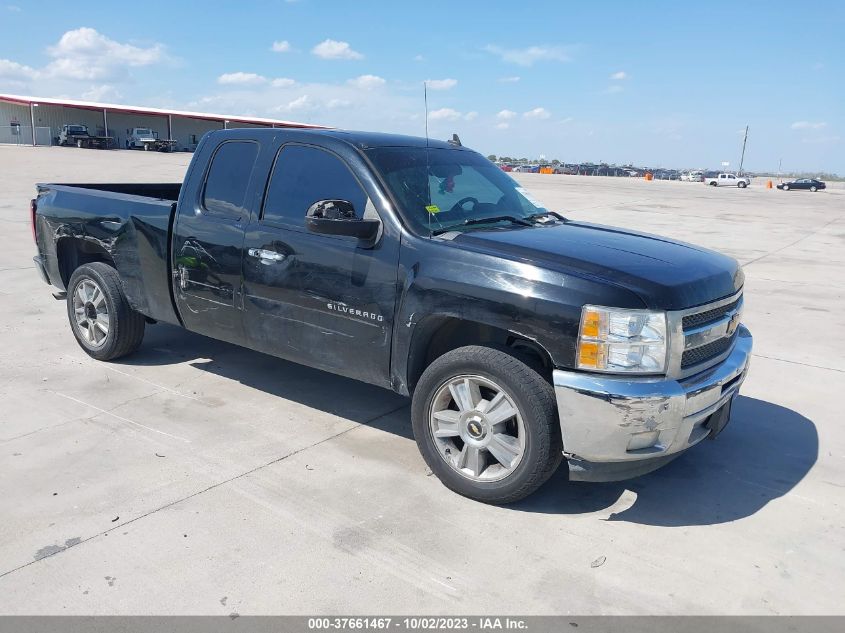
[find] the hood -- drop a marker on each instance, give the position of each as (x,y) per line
(665,274)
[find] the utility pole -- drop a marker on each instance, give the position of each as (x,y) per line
(744,141)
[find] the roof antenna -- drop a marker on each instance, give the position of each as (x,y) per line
(427,165)
(425,100)
(455,141)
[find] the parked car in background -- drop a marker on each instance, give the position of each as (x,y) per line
(695,176)
(146,139)
(729,180)
(506,167)
(78,135)
(810,184)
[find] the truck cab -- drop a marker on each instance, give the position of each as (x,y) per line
(71,134)
(147,139)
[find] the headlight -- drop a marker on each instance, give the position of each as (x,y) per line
(622,341)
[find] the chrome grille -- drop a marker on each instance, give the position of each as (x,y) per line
(698,319)
(704,353)
(702,336)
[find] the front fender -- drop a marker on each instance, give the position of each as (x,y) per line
(439,280)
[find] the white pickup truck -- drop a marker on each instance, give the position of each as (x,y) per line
(728,180)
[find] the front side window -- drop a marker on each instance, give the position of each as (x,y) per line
(441,188)
(228,177)
(304,175)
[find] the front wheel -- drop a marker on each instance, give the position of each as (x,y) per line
(104,324)
(814,188)
(786,187)
(486,424)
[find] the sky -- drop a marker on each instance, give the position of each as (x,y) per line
(650,83)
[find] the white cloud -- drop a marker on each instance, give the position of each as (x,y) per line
(502,126)
(333,104)
(296,105)
(444,114)
(282,82)
(15,71)
(367,82)
(528,56)
(808,125)
(87,54)
(333,49)
(620,75)
(537,113)
(509,80)
(101,93)
(441,84)
(281,46)
(241,79)
(471,116)
(506,115)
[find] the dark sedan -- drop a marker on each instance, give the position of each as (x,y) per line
(804,183)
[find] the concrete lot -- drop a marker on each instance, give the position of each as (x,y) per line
(197,477)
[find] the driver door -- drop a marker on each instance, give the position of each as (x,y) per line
(321,300)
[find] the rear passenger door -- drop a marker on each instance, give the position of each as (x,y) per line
(208,238)
(322,300)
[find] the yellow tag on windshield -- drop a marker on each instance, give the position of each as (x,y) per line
(433,208)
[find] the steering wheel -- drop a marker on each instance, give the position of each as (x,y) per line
(460,203)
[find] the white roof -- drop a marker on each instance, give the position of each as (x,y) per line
(113,107)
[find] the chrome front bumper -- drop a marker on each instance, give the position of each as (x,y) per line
(606,420)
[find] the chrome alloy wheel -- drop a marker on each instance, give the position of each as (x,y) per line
(91,312)
(477,428)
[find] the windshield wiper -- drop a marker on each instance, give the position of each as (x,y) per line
(470,221)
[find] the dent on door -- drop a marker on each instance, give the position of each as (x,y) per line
(195,276)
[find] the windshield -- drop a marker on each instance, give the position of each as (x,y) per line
(444,188)
(76,128)
(142,131)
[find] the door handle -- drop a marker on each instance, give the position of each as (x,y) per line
(266,256)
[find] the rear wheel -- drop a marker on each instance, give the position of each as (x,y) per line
(103,322)
(714,184)
(742,185)
(486,424)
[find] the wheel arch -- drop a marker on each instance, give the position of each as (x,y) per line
(437,334)
(72,252)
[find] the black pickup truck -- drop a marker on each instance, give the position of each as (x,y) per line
(522,337)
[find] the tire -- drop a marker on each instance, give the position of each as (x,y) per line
(104,324)
(530,435)
(814,188)
(79,144)
(786,187)
(742,185)
(714,184)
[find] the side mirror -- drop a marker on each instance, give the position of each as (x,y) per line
(337,217)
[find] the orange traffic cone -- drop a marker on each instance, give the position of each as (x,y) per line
(769,184)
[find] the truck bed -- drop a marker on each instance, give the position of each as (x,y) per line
(129,222)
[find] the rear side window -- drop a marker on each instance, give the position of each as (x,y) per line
(228,179)
(304,175)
